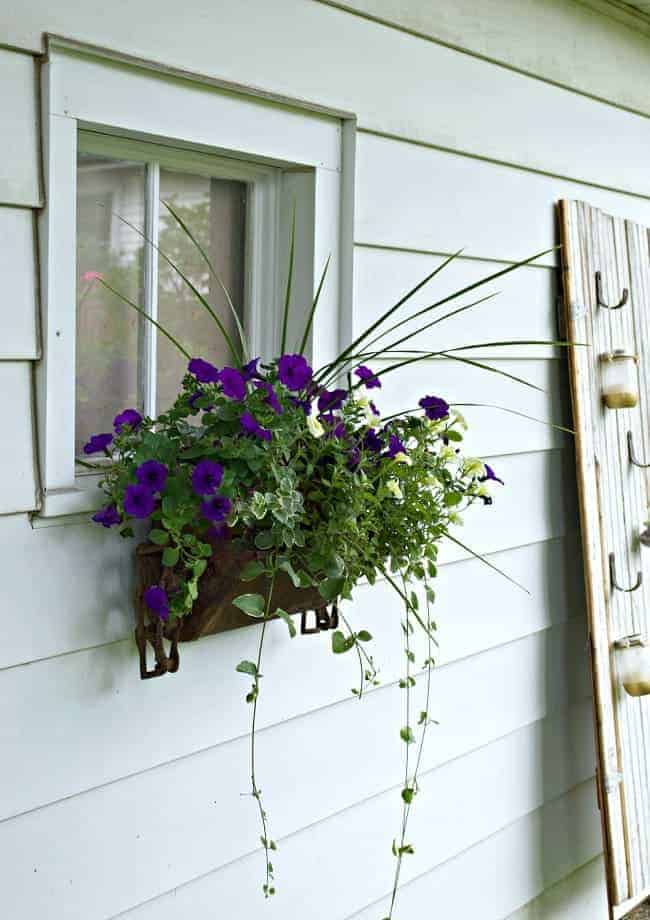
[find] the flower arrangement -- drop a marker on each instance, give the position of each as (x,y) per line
(299,465)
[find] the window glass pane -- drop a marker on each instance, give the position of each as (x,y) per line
(214,210)
(108,330)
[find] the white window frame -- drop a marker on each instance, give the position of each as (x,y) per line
(291,159)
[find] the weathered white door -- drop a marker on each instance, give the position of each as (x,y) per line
(606,268)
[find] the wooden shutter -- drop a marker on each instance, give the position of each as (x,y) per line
(613,505)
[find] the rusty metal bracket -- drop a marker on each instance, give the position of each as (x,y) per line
(625,294)
(324,620)
(153,634)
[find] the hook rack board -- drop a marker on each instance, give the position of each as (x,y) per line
(613,504)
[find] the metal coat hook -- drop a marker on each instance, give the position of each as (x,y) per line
(612,575)
(599,296)
(632,455)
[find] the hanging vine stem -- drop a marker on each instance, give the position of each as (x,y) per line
(411,788)
(367,674)
(253,697)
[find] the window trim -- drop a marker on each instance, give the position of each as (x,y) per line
(310,156)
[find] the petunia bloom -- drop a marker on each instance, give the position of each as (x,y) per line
(303,404)
(98,443)
(331,400)
(315,427)
(130,417)
(251,426)
(250,371)
(157,601)
(108,516)
(139,501)
(153,475)
(271,396)
(294,372)
(395,447)
(92,276)
(232,383)
(490,476)
(372,441)
(434,407)
(206,477)
(354,458)
(369,378)
(393,487)
(194,398)
(203,370)
(216,509)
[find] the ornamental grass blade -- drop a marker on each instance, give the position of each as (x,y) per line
(531,418)
(487,562)
(150,319)
(240,329)
(312,312)
(287,294)
(425,356)
(192,287)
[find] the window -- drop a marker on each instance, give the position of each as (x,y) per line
(120,140)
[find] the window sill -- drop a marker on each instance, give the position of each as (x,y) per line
(84,498)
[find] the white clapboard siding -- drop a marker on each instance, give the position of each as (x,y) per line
(18,484)
(492,431)
(407,86)
(20,181)
(18,305)
(506,870)
(98,696)
(524,308)
(580,896)
(414,197)
(154,849)
(89,570)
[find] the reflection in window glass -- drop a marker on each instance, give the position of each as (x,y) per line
(214,210)
(107,329)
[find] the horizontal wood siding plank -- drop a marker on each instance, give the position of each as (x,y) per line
(504,871)
(18,482)
(462,801)
(48,706)
(18,270)
(524,307)
(478,107)
(413,197)
(581,896)
(20,181)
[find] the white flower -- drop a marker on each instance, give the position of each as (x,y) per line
(401,457)
(473,467)
(459,419)
(455,518)
(315,427)
(393,487)
(447,454)
(482,492)
(370,417)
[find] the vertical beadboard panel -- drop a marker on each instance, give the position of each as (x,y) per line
(20,180)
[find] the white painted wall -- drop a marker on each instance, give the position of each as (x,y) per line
(114,800)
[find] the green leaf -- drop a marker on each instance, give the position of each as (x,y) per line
(170,556)
(330,588)
(406,734)
(251,570)
(286,566)
(159,537)
(199,568)
(334,566)
(251,604)
(291,626)
(452,498)
(408,795)
(247,667)
(364,636)
(341,643)
(452,435)
(264,539)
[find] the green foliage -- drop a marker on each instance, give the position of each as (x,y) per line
(251,604)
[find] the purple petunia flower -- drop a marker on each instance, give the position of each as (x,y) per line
(157,601)
(194,398)
(152,474)
(372,441)
(354,458)
(294,372)
(369,378)
(97,443)
(130,417)
(339,430)
(331,400)
(203,370)
(232,383)
(139,501)
(216,509)
(250,371)
(218,532)
(490,475)
(434,407)
(395,446)
(251,426)
(108,516)
(373,408)
(271,396)
(206,477)
(303,404)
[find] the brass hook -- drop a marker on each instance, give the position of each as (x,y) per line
(599,296)
(632,455)
(612,575)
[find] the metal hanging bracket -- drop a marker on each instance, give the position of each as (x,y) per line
(324,621)
(634,460)
(599,295)
(612,576)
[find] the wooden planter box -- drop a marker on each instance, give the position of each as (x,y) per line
(213,610)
